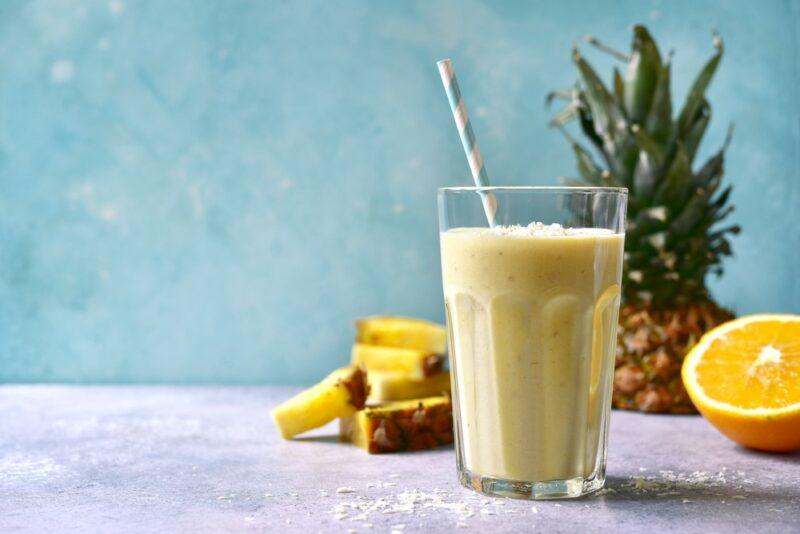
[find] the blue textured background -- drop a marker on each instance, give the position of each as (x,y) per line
(212,191)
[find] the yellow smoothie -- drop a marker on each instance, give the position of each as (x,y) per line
(532,314)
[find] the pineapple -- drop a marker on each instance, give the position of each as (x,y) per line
(414,364)
(401,426)
(340,394)
(395,386)
(674,237)
(402,332)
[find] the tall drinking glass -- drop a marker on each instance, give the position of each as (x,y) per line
(532,306)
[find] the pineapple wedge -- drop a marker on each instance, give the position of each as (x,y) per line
(400,426)
(413,363)
(338,395)
(402,332)
(397,386)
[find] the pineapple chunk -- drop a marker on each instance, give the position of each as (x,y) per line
(402,332)
(338,395)
(397,386)
(400,426)
(414,364)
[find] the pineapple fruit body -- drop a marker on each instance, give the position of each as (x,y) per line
(393,386)
(413,363)
(401,426)
(402,332)
(674,236)
(340,394)
(409,405)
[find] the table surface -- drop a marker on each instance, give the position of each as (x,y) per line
(207,459)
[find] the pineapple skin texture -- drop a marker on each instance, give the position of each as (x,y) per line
(401,426)
(340,394)
(414,363)
(395,386)
(402,332)
(651,346)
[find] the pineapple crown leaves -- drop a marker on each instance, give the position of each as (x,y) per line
(674,239)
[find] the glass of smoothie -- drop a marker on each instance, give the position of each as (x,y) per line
(532,300)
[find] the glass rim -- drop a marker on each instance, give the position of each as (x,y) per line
(542,188)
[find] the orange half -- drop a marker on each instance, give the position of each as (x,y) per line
(744,377)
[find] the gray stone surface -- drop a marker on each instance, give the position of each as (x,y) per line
(207,459)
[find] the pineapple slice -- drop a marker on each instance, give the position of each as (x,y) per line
(338,395)
(397,386)
(402,332)
(414,364)
(400,426)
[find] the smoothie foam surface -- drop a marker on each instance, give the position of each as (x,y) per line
(539,229)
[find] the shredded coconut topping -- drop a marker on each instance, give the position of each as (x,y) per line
(538,229)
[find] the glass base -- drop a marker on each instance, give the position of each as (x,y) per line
(552,489)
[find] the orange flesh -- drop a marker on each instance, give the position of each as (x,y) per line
(756,366)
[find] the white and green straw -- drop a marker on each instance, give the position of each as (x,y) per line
(459,109)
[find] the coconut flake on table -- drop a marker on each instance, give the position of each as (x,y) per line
(412,501)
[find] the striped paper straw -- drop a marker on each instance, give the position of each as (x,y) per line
(459,109)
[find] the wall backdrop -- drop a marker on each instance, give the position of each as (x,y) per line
(212,191)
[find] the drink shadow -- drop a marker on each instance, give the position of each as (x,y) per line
(325,438)
(334,438)
(790,458)
(699,490)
